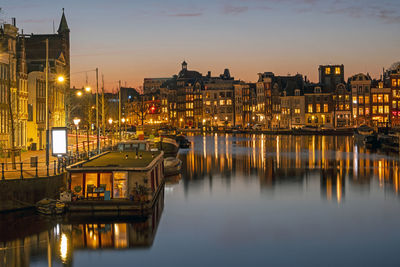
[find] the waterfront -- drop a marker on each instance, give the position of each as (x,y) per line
(242,200)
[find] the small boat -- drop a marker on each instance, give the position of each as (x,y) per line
(182,141)
(172,166)
(371,141)
(169,146)
(364,130)
(49,206)
(365,135)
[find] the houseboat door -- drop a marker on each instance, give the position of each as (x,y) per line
(120,184)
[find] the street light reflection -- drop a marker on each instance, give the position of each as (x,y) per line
(64,248)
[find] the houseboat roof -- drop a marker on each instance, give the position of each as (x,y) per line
(125,160)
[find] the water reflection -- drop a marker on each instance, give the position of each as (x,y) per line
(275,160)
(50,241)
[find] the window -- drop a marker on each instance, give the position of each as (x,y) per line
(374,98)
(327,71)
(386,98)
(354,100)
(347,107)
(374,110)
(326,108)
(337,70)
(355,111)
(310,108)
(360,99)
(394,104)
(121,184)
(394,82)
(297,92)
(398,82)
(367,100)
(380,109)
(208,103)
(347,98)
(222,102)
(366,111)
(386,109)
(309,119)
(361,111)
(229,102)
(318,108)
(380,98)
(340,107)
(297,111)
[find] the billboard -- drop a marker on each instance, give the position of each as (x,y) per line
(59,141)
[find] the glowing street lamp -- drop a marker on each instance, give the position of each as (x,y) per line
(61,79)
(76,122)
(79,93)
(110,121)
(88,89)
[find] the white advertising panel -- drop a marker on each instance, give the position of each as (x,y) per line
(59,141)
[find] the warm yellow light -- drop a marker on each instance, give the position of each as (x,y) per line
(60,79)
(226,118)
(77,121)
(204,120)
(87,89)
(123,120)
(215,118)
(64,247)
(79,93)
(110,121)
(180,119)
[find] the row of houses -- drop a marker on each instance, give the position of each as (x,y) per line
(192,100)
(23,84)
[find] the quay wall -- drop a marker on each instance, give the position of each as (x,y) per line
(33,189)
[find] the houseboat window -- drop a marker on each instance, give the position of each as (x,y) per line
(77,183)
(120,184)
(91,181)
(106,179)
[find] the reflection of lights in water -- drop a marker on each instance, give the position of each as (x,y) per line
(262,148)
(355,161)
(328,189)
(204,146)
(277,151)
(168,189)
(63,247)
(338,189)
(380,173)
(216,145)
(313,152)
(116,229)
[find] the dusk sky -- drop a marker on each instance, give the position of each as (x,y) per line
(129,40)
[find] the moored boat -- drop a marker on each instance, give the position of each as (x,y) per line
(172,166)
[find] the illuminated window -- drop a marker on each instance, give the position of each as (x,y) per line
(355,111)
(386,109)
(318,108)
(367,100)
(361,99)
(297,110)
(328,71)
(354,100)
(229,102)
(394,82)
(340,107)
(208,103)
(374,110)
(222,102)
(366,111)
(394,104)
(374,98)
(310,108)
(386,98)
(326,108)
(380,109)
(347,98)
(380,98)
(337,70)
(347,107)
(398,82)
(361,111)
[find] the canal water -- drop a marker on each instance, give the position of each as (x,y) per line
(252,200)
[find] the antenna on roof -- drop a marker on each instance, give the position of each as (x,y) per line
(54,30)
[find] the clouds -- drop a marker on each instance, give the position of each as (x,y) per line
(229,9)
(186,14)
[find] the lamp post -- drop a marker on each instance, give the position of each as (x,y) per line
(110,121)
(76,122)
(60,79)
(123,125)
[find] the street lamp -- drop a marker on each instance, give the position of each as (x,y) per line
(60,79)
(110,121)
(76,122)
(123,122)
(79,93)
(88,89)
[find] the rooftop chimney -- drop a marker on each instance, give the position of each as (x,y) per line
(14,22)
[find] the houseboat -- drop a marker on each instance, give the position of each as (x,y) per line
(120,182)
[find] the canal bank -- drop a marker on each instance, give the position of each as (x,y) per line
(22,194)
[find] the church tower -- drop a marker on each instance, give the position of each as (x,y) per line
(63,32)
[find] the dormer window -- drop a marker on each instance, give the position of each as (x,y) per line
(337,70)
(297,92)
(284,93)
(317,90)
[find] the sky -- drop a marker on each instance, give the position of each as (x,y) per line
(130,40)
